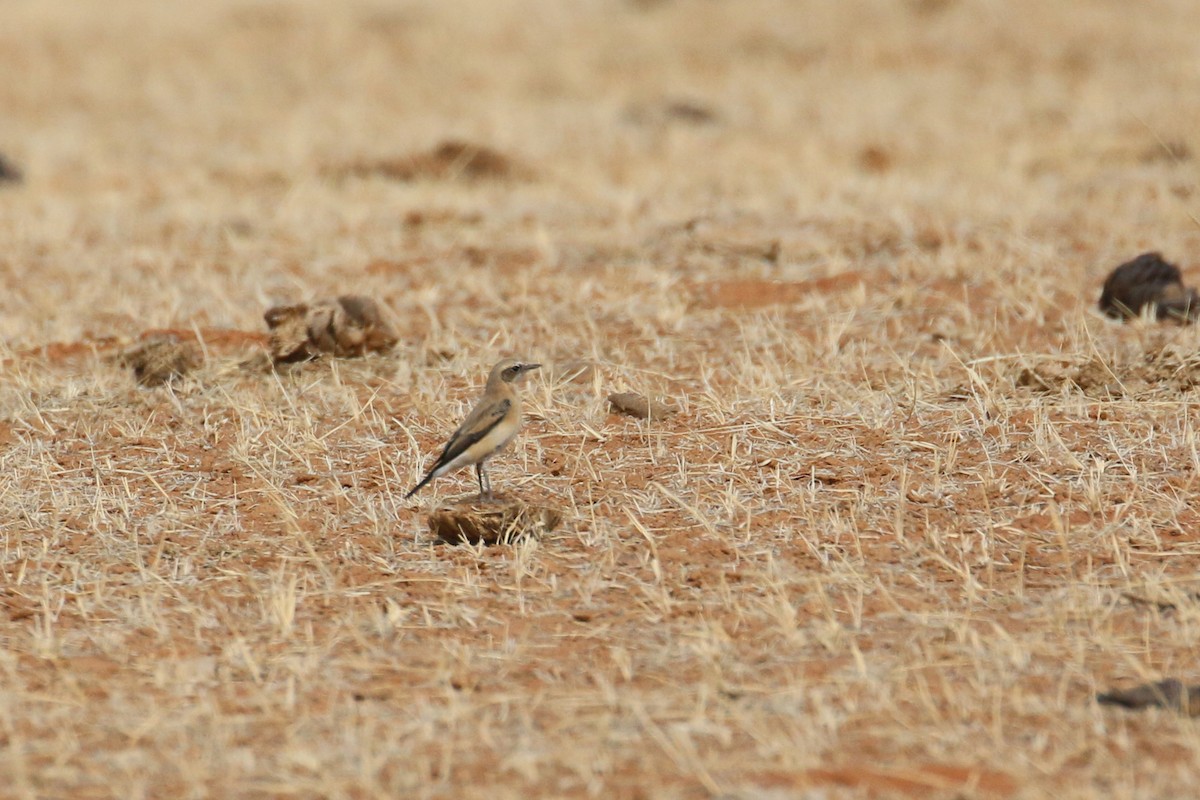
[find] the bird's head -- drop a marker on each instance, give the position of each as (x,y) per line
(510,370)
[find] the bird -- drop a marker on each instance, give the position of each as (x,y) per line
(492,424)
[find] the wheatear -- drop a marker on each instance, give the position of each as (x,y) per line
(491,425)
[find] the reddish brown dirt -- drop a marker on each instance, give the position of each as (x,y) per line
(748,294)
(920,501)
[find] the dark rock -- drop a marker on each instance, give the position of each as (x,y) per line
(1170,693)
(451,160)
(1149,280)
(9,172)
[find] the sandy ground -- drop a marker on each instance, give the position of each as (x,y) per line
(920,502)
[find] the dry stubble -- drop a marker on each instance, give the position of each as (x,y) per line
(864,557)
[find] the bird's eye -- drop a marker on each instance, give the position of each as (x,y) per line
(513,370)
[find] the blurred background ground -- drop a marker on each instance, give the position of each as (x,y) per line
(919,504)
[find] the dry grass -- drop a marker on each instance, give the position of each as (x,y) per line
(870,556)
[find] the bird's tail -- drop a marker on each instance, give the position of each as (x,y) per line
(420,485)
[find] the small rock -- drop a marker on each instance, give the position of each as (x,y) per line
(496,521)
(346,327)
(690,112)
(640,406)
(160,359)
(1170,693)
(673,111)
(450,160)
(9,172)
(1149,280)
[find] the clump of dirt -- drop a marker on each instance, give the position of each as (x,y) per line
(1171,693)
(1170,368)
(497,521)
(640,406)
(160,359)
(345,327)
(1173,364)
(875,158)
(1149,280)
(1092,377)
(450,160)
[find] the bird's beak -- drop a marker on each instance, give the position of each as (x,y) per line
(530,367)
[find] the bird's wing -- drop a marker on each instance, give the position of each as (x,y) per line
(478,424)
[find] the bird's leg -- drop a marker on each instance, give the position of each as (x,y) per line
(479,474)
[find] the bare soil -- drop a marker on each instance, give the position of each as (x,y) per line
(919,504)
